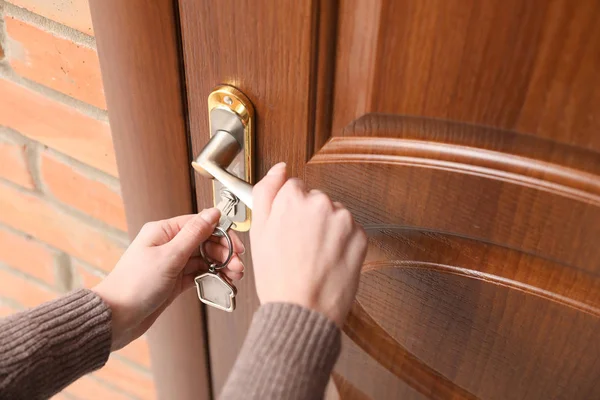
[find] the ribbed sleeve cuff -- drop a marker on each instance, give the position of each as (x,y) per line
(48,347)
(289,353)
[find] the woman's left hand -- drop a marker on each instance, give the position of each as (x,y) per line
(158,266)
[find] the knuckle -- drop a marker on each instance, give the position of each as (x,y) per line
(148,227)
(322,202)
(346,216)
(295,184)
(197,225)
(292,188)
(345,219)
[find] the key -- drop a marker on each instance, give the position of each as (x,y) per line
(215,289)
(228,207)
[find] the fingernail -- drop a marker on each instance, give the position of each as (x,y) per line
(243,250)
(211,215)
(277,168)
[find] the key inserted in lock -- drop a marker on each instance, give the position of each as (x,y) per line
(227,157)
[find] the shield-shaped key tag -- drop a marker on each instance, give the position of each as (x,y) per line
(216,291)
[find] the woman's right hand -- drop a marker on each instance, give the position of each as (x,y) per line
(306,249)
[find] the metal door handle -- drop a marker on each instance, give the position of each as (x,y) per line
(215,157)
(227,157)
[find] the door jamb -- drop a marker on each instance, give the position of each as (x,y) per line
(138,46)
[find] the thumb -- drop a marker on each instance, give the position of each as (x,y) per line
(194,232)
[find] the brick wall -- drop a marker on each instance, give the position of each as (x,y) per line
(62,223)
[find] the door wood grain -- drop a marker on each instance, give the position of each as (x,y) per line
(464,136)
(143,83)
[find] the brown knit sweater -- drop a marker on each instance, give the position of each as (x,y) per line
(288,354)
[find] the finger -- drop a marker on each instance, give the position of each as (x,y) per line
(357,247)
(265,191)
(157,233)
(238,245)
(295,185)
(195,265)
(194,232)
(218,252)
(236,265)
(337,205)
(187,283)
(234,276)
(320,198)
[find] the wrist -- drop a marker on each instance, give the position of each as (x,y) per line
(121,319)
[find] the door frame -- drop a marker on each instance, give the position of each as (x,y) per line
(141,62)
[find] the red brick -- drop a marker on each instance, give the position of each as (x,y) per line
(73,13)
(13,164)
(89,388)
(22,290)
(127,378)
(137,351)
(77,189)
(86,276)
(58,126)
(54,62)
(27,255)
(28,213)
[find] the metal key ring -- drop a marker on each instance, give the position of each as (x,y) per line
(212,264)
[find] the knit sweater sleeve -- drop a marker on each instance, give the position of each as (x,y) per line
(44,349)
(289,353)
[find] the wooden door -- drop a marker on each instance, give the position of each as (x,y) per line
(465,136)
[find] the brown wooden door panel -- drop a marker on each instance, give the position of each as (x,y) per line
(527,66)
(463,134)
(471,312)
(464,290)
(517,211)
(350,383)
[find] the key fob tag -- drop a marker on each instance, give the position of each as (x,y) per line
(216,291)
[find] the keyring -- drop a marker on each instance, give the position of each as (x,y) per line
(212,264)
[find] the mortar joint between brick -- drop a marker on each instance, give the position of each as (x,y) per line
(32,156)
(143,370)
(69,396)
(29,278)
(21,234)
(12,303)
(110,386)
(50,26)
(3,41)
(89,268)
(85,169)
(91,111)
(113,233)
(63,272)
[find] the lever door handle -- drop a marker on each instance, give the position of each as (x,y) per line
(227,157)
(215,157)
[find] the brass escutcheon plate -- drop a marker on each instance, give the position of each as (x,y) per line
(230,110)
